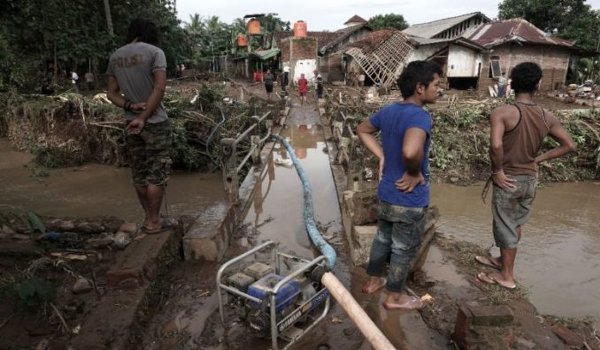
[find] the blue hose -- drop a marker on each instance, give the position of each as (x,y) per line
(309,215)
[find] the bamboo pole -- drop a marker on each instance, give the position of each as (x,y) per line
(356,313)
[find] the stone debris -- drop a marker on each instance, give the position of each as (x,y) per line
(82,285)
(121,240)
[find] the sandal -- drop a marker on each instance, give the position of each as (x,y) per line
(165,226)
(485,278)
(487,261)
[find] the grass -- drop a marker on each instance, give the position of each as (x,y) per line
(463,253)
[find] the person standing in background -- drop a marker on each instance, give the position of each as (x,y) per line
(302,88)
(269,83)
(89,80)
(138,70)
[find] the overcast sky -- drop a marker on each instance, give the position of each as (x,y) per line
(331,14)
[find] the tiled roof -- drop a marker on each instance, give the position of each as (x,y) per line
(356,19)
(431,29)
(459,41)
(369,42)
(516,30)
(343,34)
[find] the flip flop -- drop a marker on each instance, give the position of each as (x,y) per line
(413,304)
(165,226)
(485,278)
(487,261)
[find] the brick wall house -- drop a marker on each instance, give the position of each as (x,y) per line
(554,62)
(514,41)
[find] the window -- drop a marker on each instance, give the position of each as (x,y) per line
(495,70)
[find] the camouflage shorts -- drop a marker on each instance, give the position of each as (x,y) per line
(149,151)
(511,210)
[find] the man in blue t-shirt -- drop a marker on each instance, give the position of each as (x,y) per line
(404,180)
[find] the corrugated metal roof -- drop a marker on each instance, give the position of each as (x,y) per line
(265,54)
(430,29)
(516,29)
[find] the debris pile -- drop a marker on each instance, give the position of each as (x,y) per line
(459,150)
(71,129)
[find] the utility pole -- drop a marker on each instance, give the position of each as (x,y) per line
(109,23)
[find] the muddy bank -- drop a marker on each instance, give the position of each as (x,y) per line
(557,260)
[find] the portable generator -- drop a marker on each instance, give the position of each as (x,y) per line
(281,295)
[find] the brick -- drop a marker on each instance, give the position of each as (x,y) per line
(124,278)
(567,336)
(461,327)
(491,316)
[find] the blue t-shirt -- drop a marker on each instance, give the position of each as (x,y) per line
(393,121)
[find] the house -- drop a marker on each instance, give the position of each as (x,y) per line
(461,59)
(513,41)
(322,59)
(442,41)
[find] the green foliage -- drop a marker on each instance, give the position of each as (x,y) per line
(390,20)
(30,294)
(40,39)
(272,23)
(569,19)
(209,96)
(185,155)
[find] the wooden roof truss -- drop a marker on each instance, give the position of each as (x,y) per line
(386,62)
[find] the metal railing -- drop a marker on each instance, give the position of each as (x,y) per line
(232,165)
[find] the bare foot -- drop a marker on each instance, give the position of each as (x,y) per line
(373,285)
(398,301)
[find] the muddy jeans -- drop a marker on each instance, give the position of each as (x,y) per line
(399,234)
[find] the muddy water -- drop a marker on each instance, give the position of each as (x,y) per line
(558,255)
(95,189)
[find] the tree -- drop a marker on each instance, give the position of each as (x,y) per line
(272,23)
(390,20)
(71,33)
(569,19)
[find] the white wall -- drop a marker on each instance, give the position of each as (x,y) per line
(463,62)
(422,52)
(304,66)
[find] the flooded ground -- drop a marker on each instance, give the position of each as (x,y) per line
(95,189)
(558,254)
(557,261)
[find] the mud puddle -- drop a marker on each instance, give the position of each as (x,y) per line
(557,258)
